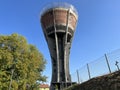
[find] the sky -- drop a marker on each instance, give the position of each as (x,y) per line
(97,31)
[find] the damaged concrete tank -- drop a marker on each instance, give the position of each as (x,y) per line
(58,22)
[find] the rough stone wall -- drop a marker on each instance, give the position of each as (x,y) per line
(106,82)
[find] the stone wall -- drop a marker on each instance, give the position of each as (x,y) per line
(106,82)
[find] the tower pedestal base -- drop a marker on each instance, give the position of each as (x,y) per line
(60,85)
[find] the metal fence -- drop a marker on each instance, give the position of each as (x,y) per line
(106,64)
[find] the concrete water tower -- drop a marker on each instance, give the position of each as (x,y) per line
(58,22)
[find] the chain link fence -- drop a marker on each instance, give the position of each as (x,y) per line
(106,64)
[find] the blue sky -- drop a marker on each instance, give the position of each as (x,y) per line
(97,32)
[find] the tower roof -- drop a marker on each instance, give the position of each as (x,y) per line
(59,5)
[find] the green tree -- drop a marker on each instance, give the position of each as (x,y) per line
(21,64)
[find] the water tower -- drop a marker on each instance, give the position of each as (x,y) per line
(58,23)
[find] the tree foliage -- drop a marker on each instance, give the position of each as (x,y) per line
(21,64)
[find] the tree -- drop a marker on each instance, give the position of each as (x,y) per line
(21,64)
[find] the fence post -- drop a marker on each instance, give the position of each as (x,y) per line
(117,65)
(88,71)
(78,77)
(107,63)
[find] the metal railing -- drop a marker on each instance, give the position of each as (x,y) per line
(106,64)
